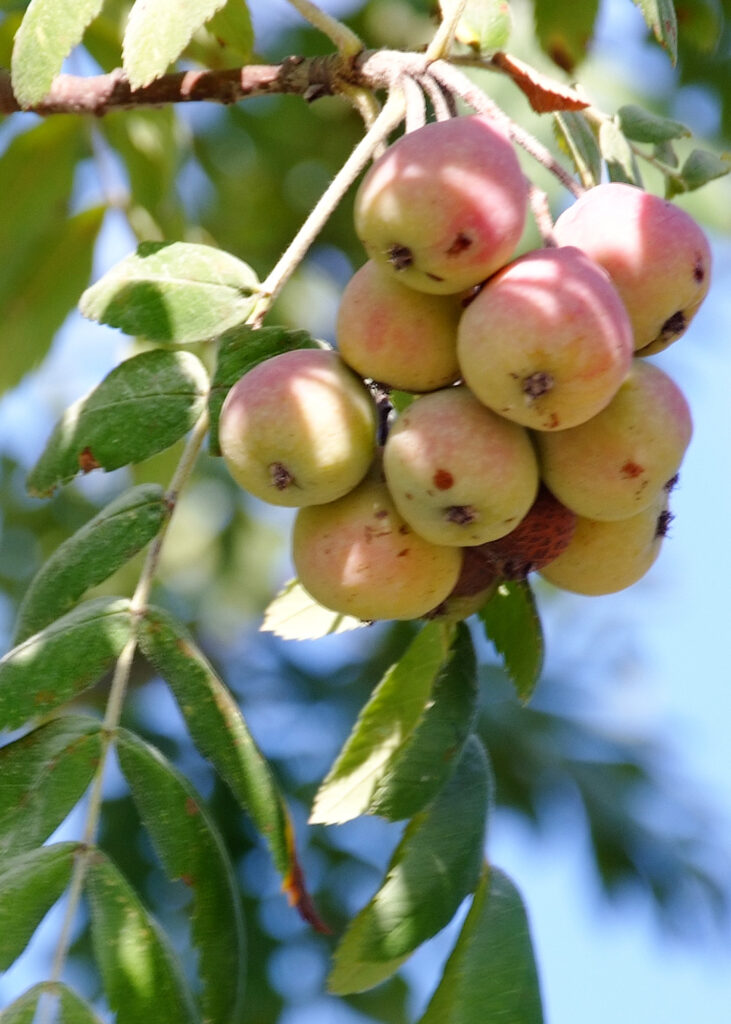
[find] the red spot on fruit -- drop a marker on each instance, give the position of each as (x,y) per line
(403,529)
(381,513)
(461,242)
(699,271)
(443,479)
(403,552)
(632,470)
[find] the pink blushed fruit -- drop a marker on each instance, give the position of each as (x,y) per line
(547,341)
(657,256)
(444,207)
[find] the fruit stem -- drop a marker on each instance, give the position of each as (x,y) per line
(443,37)
(542,215)
(348,43)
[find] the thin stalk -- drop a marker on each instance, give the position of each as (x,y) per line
(348,43)
(444,36)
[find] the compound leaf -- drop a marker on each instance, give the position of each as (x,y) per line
(158,31)
(436,864)
(510,619)
(142,407)
(48,33)
(91,555)
(491,974)
(44,774)
(191,849)
(29,886)
(173,291)
(63,659)
(294,615)
(141,975)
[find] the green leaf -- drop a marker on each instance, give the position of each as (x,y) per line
(29,886)
(577,138)
(45,773)
(565,30)
(436,864)
(665,152)
(240,350)
(48,33)
(157,32)
(231,27)
(485,25)
(661,20)
(62,660)
(191,849)
(294,615)
(512,623)
(703,166)
(23,1009)
(491,974)
(142,407)
(642,125)
(173,291)
(91,555)
(384,726)
(142,978)
(221,734)
(428,746)
(70,1008)
(617,152)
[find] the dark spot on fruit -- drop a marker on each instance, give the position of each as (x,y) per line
(537,384)
(552,422)
(400,256)
(462,515)
(443,479)
(280,476)
(663,523)
(672,483)
(631,470)
(699,271)
(409,495)
(673,326)
(381,513)
(461,242)
(401,554)
(433,277)
(404,530)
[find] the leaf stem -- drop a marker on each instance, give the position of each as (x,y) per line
(443,37)
(348,43)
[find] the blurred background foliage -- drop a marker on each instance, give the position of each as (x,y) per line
(74,195)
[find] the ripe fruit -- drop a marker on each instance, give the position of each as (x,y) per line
(458,473)
(544,534)
(605,557)
(547,341)
(298,429)
(359,557)
(657,256)
(444,207)
(395,335)
(617,463)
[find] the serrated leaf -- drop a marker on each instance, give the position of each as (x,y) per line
(48,33)
(141,975)
(663,23)
(70,1008)
(44,774)
(491,974)
(703,166)
(294,615)
(436,864)
(580,143)
(643,126)
(240,349)
(91,555)
(63,659)
(29,886)
(565,30)
(157,33)
(173,291)
(384,725)
(190,848)
(427,750)
(617,153)
(511,622)
(221,734)
(143,406)
(485,25)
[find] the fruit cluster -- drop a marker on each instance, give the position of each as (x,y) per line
(532,435)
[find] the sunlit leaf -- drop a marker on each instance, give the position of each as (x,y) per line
(617,152)
(579,141)
(91,555)
(221,734)
(565,30)
(142,407)
(643,126)
(44,774)
(485,25)
(231,27)
(240,349)
(63,659)
(48,33)
(157,33)
(142,978)
(491,974)
(662,21)
(294,615)
(173,291)
(512,623)
(436,864)
(29,886)
(191,849)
